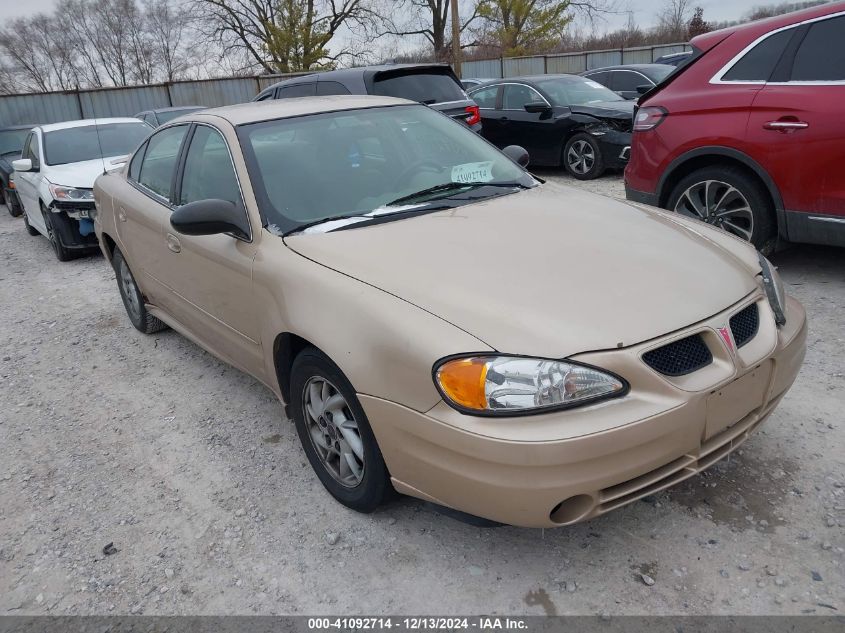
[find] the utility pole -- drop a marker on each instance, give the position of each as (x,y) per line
(456,38)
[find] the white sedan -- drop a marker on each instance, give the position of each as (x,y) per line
(55,177)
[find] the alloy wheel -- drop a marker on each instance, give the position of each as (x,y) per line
(580,157)
(333,431)
(720,204)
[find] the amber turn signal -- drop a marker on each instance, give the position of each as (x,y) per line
(463,380)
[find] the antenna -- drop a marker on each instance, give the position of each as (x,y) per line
(100,145)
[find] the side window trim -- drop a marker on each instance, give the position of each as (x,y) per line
(717,78)
(180,173)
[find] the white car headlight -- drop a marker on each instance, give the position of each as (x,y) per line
(774,290)
(60,192)
(512,385)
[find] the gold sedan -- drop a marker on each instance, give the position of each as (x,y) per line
(437,321)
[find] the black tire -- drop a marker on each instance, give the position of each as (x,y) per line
(29,228)
(758,226)
(14,207)
(374,487)
(590,161)
(133,300)
(63,254)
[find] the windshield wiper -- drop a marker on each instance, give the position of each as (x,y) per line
(452,186)
(332,218)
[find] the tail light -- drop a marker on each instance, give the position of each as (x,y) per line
(473,115)
(648,118)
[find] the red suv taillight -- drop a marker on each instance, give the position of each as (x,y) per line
(648,118)
(473,115)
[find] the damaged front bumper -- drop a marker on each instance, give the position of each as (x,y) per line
(74,223)
(615,145)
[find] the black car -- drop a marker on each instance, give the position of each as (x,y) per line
(560,119)
(160,116)
(435,85)
(11,143)
(630,80)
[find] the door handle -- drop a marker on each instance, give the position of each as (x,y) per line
(173,243)
(503,119)
(121,214)
(785,126)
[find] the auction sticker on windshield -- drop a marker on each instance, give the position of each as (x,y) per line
(473,172)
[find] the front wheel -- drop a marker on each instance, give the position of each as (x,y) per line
(730,199)
(63,254)
(29,228)
(336,434)
(12,204)
(582,157)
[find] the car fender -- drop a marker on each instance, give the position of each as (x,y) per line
(729,152)
(359,326)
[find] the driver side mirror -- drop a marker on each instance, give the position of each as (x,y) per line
(24,164)
(517,154)
(644,88)
(210,217)
(537,107)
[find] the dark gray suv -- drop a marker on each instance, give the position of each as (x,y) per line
(434,85)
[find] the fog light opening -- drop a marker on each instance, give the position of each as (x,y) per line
(572,509)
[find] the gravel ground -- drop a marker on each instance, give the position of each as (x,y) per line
(190,470)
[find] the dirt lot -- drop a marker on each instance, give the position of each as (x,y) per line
(189,468)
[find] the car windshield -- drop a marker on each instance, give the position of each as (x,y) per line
(574,90)
(374,161)
(77,144)
(11,141)
(426,87)
(168,115)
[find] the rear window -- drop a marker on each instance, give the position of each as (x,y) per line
(77,144)
(758,63)
(11,141)
(426,87)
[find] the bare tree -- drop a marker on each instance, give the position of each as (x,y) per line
(168,30)
(291,35)
(674,17)
(430,19)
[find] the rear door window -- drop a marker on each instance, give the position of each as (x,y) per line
(602,77)
(425,87)
(325,88)
(159,162)
(627,81)
(486,97)
(297,90)
(758,63)
(821,56)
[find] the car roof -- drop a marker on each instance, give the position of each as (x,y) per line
(640,67)
(349,73)
(255,111)
(83,122)
(175,108)
(528,79)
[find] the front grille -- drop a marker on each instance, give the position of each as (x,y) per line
(681,357)
(744,325)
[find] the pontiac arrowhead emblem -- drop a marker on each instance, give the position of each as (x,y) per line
(728,338)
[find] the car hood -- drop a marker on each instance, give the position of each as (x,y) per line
(80,175)
(549,272)
(607,109)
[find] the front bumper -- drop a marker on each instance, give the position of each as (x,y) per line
(615,147)
(72,221)
(565,467)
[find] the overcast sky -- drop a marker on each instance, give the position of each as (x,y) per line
(644,10)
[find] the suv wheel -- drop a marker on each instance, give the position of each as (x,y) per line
(582,157)
(335,433)
(729,198)
(133,301)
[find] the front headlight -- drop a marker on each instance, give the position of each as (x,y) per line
(510,385)
(774,290)
(60,192)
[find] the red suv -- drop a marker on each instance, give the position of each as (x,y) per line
(749,133)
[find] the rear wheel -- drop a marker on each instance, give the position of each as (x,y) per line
(133,301)
(582,157)
(729,198)
(336,434)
